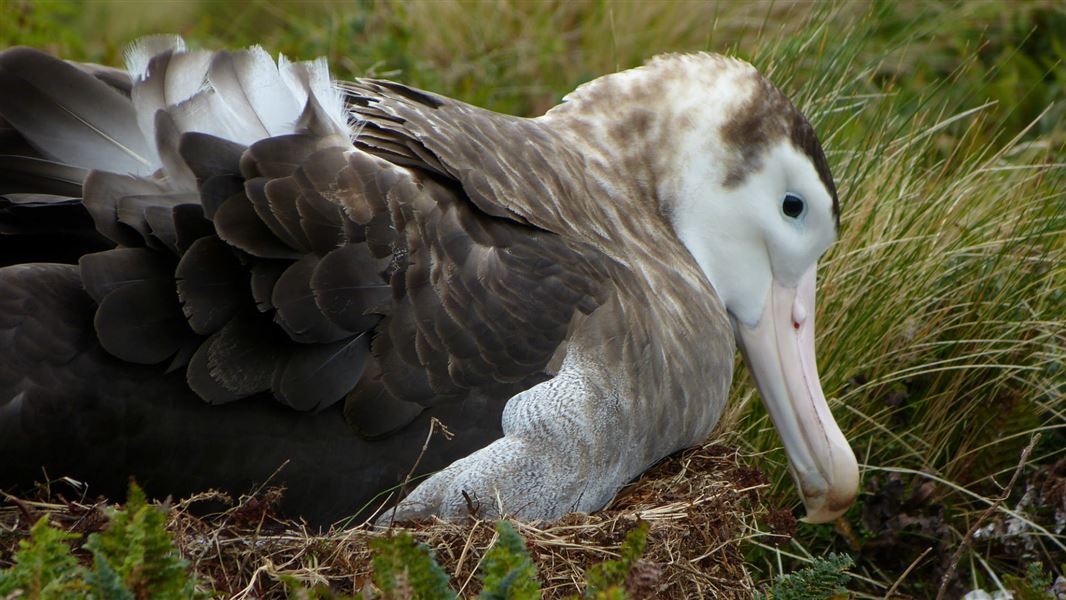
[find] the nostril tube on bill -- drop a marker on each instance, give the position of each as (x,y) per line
(799,314)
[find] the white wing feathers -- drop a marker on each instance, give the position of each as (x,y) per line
(140,52)
(312,77)
(240,96)
(170,78)
(251,88)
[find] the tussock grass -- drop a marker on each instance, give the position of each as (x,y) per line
(942,317)
(942,309)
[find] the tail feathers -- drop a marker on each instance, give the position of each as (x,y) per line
(116,78)
(95,117)
(70,116)
(310,83)
(209,156)
(241,96)
(167,139)
(12,143)
(322,371)
(141,322)
(104,272)
(42,218)
(105,191)
(254,94)
(169,78)
(212,285)
(141,52)
(255,247)
(26,174)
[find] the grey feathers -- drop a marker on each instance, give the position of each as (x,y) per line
(69,116)
(268,255)
(40,175)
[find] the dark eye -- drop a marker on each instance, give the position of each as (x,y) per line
(792,206)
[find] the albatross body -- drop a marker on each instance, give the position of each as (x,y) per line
(272,277)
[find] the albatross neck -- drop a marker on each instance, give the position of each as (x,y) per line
(677,343)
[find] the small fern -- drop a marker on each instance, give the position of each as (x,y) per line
(106,582)
(607,580)
(133,559)
(823,579)
(44,567)
(404,568)
(508,572)
(136,551)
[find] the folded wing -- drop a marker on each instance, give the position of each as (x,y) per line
(259,251)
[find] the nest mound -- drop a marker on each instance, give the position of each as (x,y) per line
(699,505)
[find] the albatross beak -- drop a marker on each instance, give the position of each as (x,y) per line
(779,351)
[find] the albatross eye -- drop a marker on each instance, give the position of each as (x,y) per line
(792,206)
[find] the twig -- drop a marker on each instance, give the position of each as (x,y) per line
(968,538)
(906,572)
(434,423)
(23,508)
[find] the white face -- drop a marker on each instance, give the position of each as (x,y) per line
(747,236)
(758,243)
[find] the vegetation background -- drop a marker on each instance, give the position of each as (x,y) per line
(942,317)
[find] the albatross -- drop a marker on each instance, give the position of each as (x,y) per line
(224,270)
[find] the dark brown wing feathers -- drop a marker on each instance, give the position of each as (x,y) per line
(104,272)
(392,274)
(211,284)
(141,322)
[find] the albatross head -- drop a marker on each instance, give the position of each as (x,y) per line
(742,178)
(755,203)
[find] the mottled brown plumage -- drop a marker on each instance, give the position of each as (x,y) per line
(443,260)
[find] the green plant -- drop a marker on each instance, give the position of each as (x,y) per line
(404,568)
(1036,585)
(825,578)
(134,558)
(137,553)
(606,580)
(508,572)
(44,567)
(295,589)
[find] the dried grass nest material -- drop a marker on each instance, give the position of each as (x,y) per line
(699,505)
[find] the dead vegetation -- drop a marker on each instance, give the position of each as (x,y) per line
(700,505)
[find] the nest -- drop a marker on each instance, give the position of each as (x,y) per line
(700,504)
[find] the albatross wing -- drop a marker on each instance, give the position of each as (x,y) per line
(266,256)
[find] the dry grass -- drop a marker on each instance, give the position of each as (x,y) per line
(700,506)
